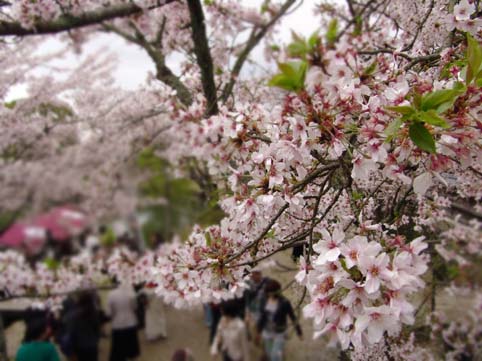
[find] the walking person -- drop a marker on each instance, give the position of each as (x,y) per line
(62,333)
(121,307)
(231,338)
(36,345)
(273,322)
(254,297)
(155,316)
(84,328)
(215,313)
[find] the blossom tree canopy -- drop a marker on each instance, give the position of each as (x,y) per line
(364,147)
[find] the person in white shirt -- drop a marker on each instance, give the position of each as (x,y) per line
(121,307)
(231,336)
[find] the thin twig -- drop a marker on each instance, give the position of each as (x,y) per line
(260,236)
(253,40)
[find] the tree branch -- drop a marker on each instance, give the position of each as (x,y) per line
(421,59)
(203,55)
(420,26)
(313,218)
(298,187)
(253,41)
(385,51)
(68,22)
(268,255)
(163,72)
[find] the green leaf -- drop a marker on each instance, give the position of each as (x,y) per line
(59,112)
(355,274)
(357,195)
(422,137)
(474,58)
(282,81)
(289,69)
(300,47)
(478,77)
(453,271)
(370,69)
(343,264)
(417,100)
(209,240)
(297,37)
(431,117)
(403,109)
(10,105)
(358,25)
(441,100)
(297,49)
(108,238)
(392,129)
(292,76)
(51,263)
(314,40)
(147,159)
(459,87)
(332,31)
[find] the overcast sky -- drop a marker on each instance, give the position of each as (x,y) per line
(134,64)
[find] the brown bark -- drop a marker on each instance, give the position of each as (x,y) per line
(68,22)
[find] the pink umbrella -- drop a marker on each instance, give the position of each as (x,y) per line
(21,235)
(13,236)
(50,223)
(74,220)
(62,222)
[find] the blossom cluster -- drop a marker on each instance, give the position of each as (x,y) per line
(339,157)
(358,289)
(369,153)
(49,280)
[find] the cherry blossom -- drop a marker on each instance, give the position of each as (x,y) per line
(327,247)
(365,150)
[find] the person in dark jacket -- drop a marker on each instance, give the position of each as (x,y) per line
(273,322)
(62,337)
(84,328)
(254,297)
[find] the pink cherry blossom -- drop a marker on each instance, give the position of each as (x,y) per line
(327,247)
(463,10)
(375,269)
(356,247)
(376,321)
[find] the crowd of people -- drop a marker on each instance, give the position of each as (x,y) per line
(259,319)
(78,328)
(261,316)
